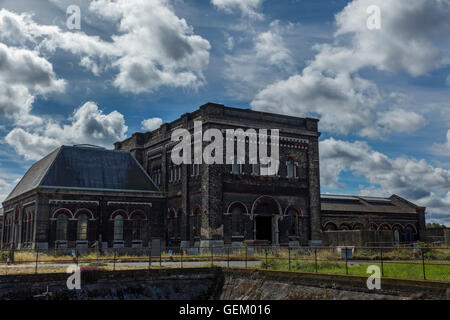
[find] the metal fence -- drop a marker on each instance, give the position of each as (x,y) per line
(421,262)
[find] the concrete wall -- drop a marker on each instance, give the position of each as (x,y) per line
(216,283)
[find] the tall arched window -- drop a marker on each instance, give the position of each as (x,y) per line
(294,222)
(82,226)
(138,227)
(118,227)
(61,227)
(237,223)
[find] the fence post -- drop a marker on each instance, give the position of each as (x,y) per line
(382,265)
(266,258)
(423,264)
(212,255)
(181,260)
(149,258)
(346,263)
(160,255)
(228,257)
(114,262)
(289,257)
(246,253)
(37,258)
(315,259)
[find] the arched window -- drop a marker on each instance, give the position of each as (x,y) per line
(396,236)
(291,168)
(294,222)
(237,223)
(82,226)
(61,227)
(118,227)
(138,227)
(236,168)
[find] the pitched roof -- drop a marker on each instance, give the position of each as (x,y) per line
(84,167)
(346,203)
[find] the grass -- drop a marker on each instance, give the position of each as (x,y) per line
(405,266)
(392,270)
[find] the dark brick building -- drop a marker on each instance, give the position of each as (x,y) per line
(219,204)
(136,196)
(77,196)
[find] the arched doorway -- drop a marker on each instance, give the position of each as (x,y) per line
(266,212)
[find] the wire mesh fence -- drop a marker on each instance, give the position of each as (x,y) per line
(416,262)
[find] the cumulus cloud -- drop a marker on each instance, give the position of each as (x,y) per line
(410,40)
(443,148)
(151,124)
(400,120)
(151,46)
(249,70)
(24,74)
(246,7)
(158,48)
(88,124)
(411,178)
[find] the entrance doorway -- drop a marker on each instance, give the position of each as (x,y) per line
(264,228)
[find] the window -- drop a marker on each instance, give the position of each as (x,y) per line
(237,225)
(396,236)
(293,217)
(82,226)
(118,227)
(138,227)
(235,167)
(195,169)
(255,169)
(61,227)
(291,169)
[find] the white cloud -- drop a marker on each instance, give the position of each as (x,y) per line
(400,120)
(151,124)
(443,148)
(246,7)
(268,58)
(151,46)
(23,75)
(25,67)
(344,103)
(410,40)
(157,47)
(88,124)
(448,81)
(413,179)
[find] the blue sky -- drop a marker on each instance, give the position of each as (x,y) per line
(383,95)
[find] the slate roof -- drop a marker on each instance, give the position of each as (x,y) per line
(84,167)
(353,204)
